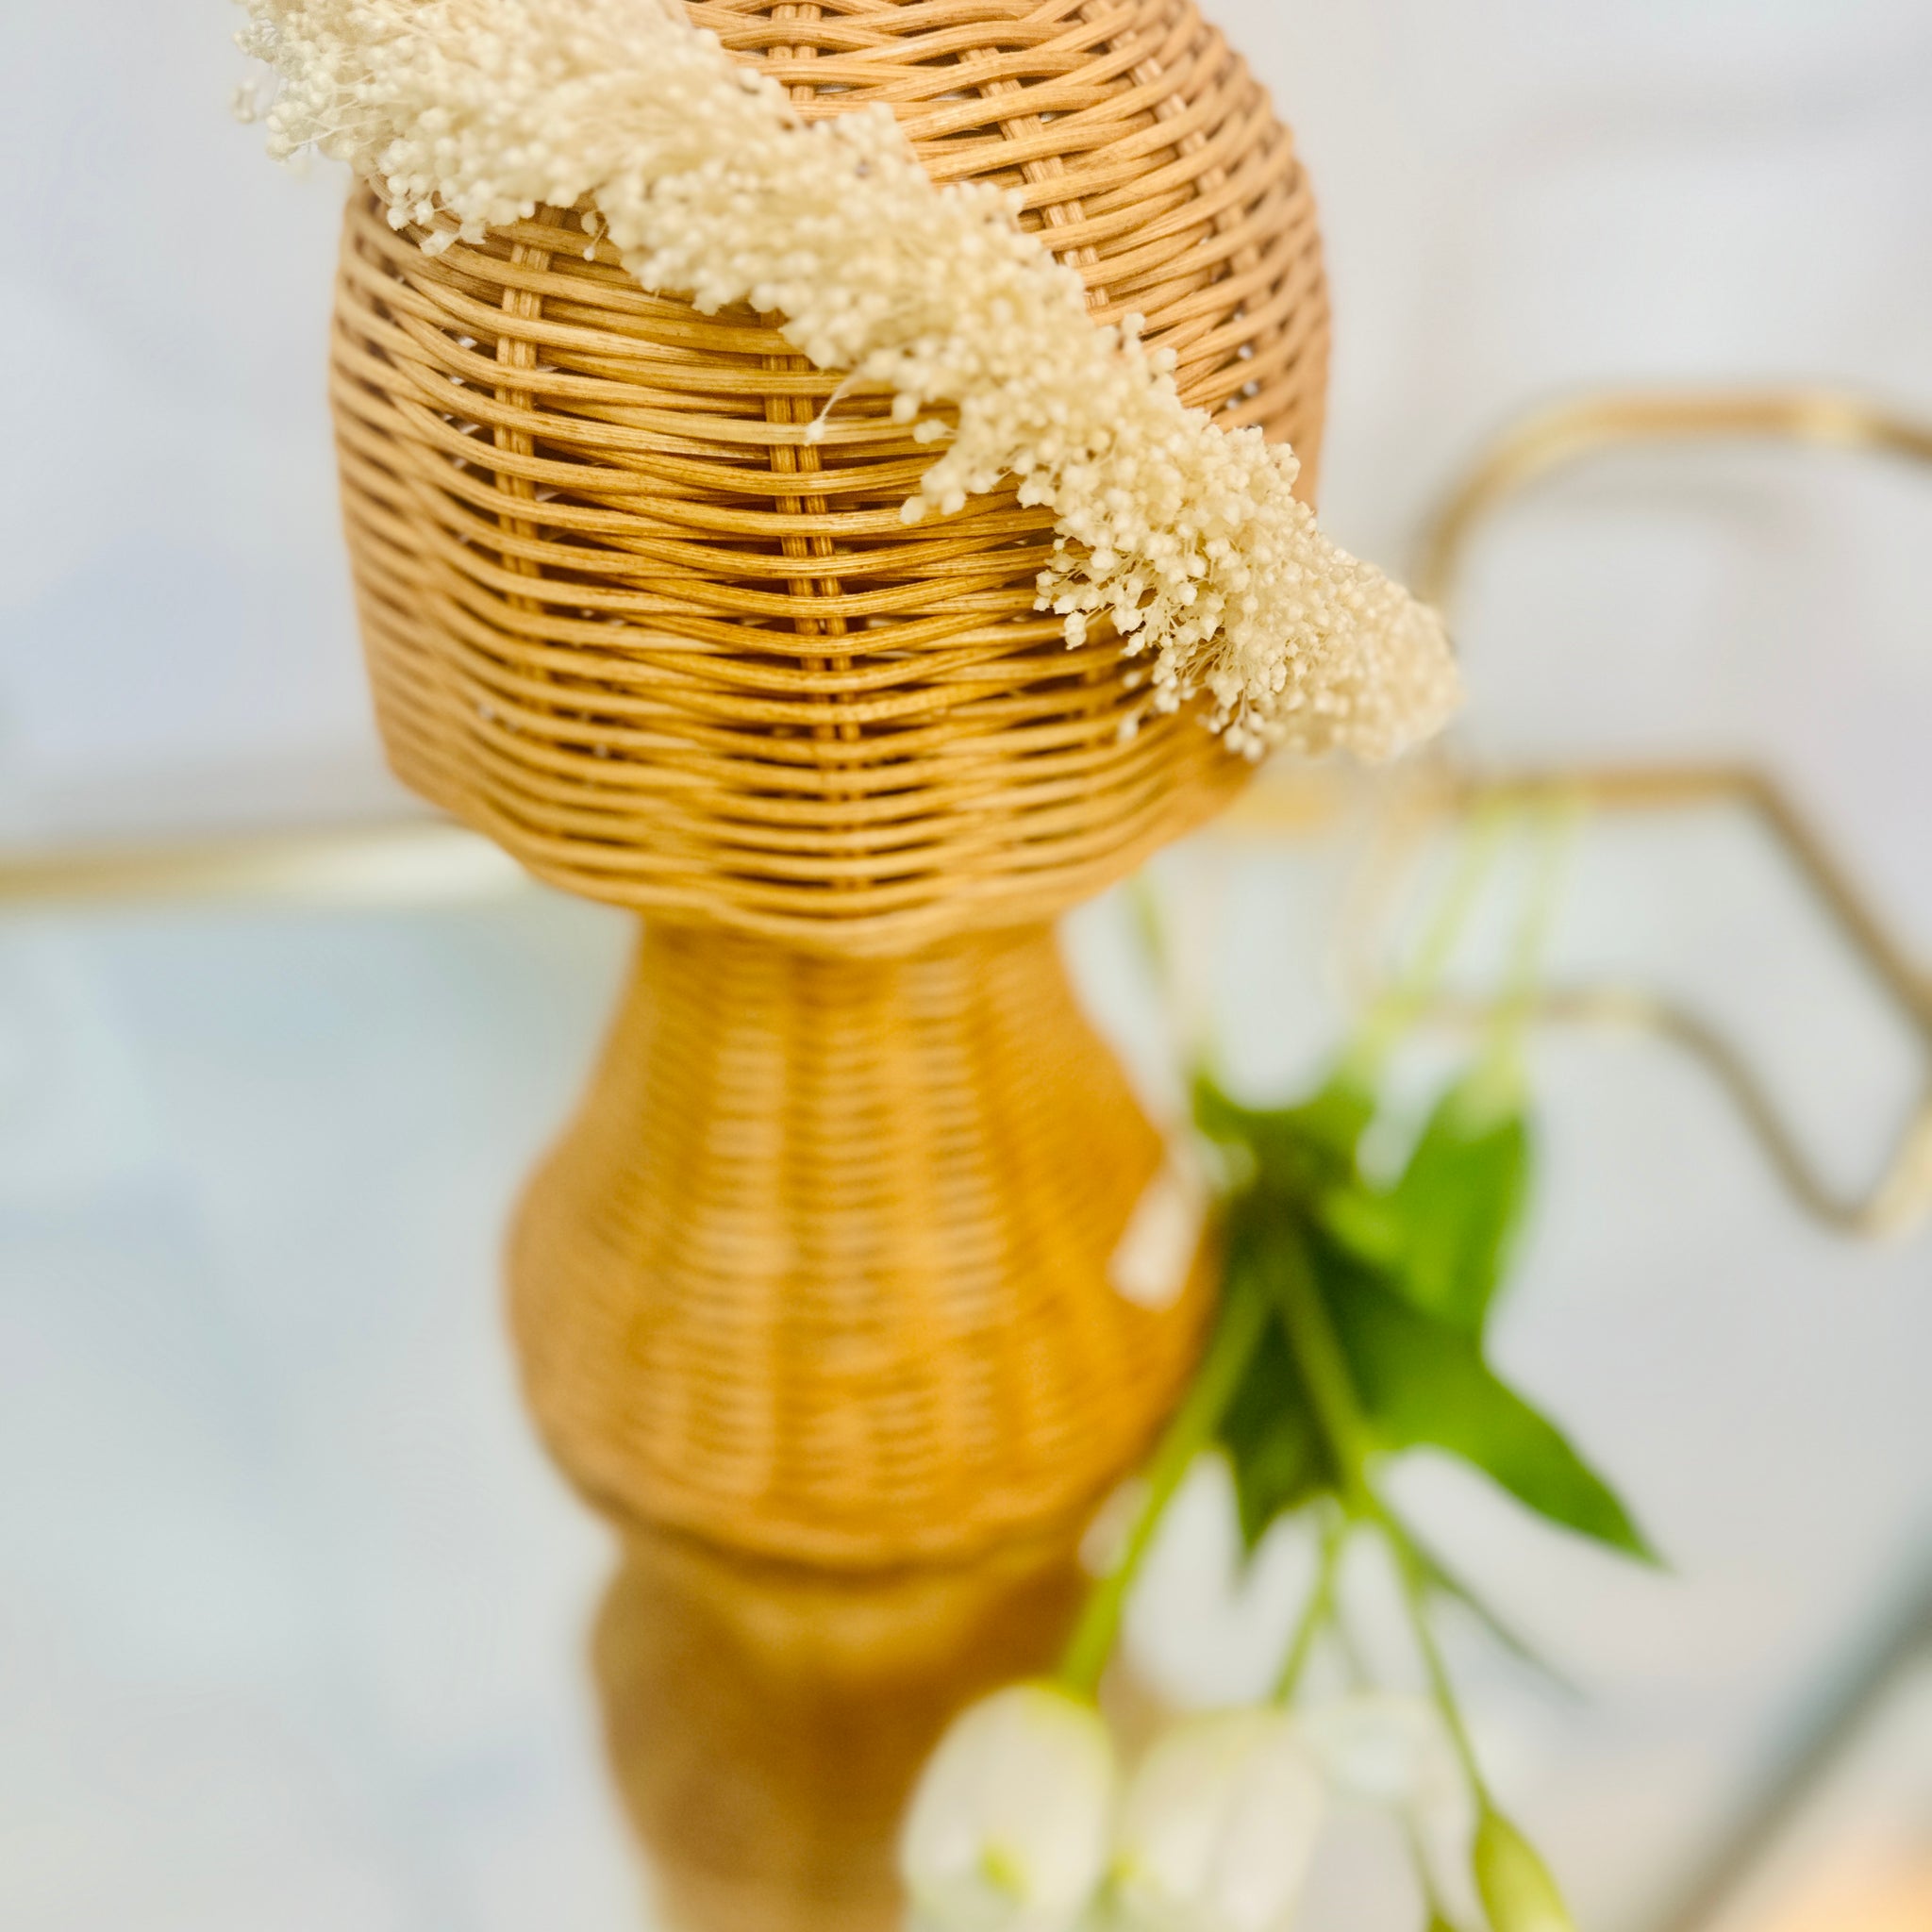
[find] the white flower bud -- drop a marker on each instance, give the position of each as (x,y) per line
(1517,1891)
(1218,1827)
(1008,1829)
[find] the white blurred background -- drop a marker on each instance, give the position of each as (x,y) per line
(290,1607)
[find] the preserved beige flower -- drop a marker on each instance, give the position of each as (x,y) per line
(1184,536)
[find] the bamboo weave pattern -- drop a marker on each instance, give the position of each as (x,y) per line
(820,1269)
(624,618)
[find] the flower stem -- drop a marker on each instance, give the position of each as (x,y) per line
(1324,1374)
(1317,1612)
(1441,1689)
(1395,1010)
(1331,1393)
(1503,1057)
(1243,1315)
(1433,1902)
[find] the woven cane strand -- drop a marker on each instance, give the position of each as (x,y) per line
(624,617)
(821,1270)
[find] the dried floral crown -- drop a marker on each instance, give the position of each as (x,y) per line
(1186,537)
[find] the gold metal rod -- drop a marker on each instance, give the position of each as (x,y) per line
(1554,438)
(1888,1207)
(406,860)
(1902,1193)
(1566,432)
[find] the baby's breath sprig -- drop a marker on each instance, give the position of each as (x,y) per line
(1186,538)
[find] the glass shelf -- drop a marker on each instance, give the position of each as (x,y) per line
(293,1614)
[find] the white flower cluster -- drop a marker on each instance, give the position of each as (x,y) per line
(1022,1823)
(1186,537)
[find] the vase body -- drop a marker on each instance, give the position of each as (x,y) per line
(821,1268)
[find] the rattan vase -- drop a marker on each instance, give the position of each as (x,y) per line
(821,1271)
(765,1721)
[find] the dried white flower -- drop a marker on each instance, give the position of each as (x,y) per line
(1186,535)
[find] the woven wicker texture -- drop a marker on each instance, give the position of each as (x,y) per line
(623,617)
(765,1722)
(820,1269)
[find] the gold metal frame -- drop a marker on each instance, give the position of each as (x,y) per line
(1530,450)
(1566,432)
(417,859)
(407,860)
(1898,1198)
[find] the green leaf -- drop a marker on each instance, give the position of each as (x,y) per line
(1271,1440)
(1365,1222)
(1299,1151)
(1424,1384)
(1460,1203)
(1218,1116)
(1335,1118)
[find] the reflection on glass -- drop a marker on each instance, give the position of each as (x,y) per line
(765,1722)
